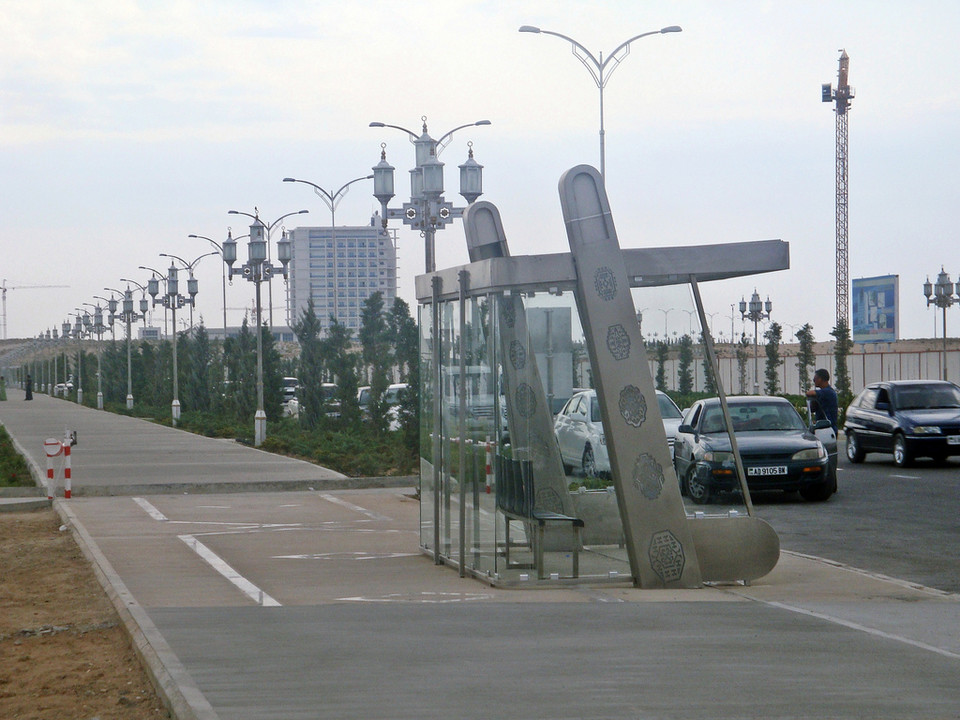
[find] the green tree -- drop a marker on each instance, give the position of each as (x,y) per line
(406,340)
(310,373)
(343,364)
(743,356)
(773,336)
(240,361)
(685,368)
(841,351)
(709,379)
(272,374)
(197,364)
(663,351)
(806,358)
(377,357)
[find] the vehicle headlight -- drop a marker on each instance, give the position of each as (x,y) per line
(718,456)
(816,453)
(926,430)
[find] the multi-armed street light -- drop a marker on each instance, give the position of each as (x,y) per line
(601,69)
(941,295)
(191,283)
(128,315)
(97,327)
(755,311)
(173,300)
(223,274)
(257,269)
(427,210)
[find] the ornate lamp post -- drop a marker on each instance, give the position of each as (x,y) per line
(223,274)
(173,300)
(192,282)
(598,67)
(755,311)
(78,331)
(257,269)
(427,210)
(98,327)
(128,315)
(942,295)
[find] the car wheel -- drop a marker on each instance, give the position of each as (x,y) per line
(854,451)
(901,453)
(697,490)
(589,463)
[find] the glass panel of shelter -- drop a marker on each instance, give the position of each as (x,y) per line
(469,438)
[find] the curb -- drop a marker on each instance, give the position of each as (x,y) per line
(179,693)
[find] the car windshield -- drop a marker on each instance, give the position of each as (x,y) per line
(915,397)
(667,408)
(753,417)
(594,409)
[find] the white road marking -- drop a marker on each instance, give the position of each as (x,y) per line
(863,628)
(346,556)
(424,597)
(150,509)
(907,477)
(356,508)
(222,567)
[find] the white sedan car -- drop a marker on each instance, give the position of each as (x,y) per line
(580,436)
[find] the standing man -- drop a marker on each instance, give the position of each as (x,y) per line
(827,405)
(29,394)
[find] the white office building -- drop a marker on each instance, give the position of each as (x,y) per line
(340,267)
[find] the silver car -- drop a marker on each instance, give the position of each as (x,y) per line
(580,436)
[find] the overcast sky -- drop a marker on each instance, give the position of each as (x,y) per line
(125,126)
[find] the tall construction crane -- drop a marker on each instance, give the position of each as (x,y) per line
(842,97)
(5,287)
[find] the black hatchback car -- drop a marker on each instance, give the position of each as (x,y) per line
(778,450)
(908,418)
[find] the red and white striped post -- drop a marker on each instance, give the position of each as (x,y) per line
(67,476)
(53,447)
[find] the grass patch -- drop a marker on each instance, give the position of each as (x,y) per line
(14,471)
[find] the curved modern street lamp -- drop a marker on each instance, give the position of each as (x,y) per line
(427,210)
(128,315)
(598,68)
(331,200)
(257,269)
(223,276)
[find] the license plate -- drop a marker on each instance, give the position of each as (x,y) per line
(768,470)
(953,439)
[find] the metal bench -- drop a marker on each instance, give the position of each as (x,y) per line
(515,499)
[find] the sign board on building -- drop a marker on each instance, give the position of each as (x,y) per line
(875,315)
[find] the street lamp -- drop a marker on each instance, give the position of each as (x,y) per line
(665,313)
(427,210)
(223,275)
(598,67)
(173,300)
(257,269)
(941,295)
(98,327)
(152,282)
(755,311)
(192,282)
(79,327)
(331,200)
(268,228)
(128,315)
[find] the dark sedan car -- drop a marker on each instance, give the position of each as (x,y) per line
(778,450)
(909,418)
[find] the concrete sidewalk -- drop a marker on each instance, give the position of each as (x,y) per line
(317,603)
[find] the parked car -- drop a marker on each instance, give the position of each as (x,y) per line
(290,387)
(908,418)
(779,451)
(391,397)
(580,436)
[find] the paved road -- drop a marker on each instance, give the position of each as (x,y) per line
(305,604)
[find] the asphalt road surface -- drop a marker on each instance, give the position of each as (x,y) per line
(901,522)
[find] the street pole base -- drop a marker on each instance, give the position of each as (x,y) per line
(129,402)
(175,412)
(79,397)
(99,401)
(259,428)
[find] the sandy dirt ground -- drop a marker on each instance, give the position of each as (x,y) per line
(63,653)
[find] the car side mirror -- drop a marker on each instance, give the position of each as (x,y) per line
(684,428)
(883,406)
(822,425)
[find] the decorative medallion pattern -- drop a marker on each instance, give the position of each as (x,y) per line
(518,355)
(526,400)
(547,499)
(666,556)
(633,406)
(648,476)
(508,311)
(605,283)
(618,342)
